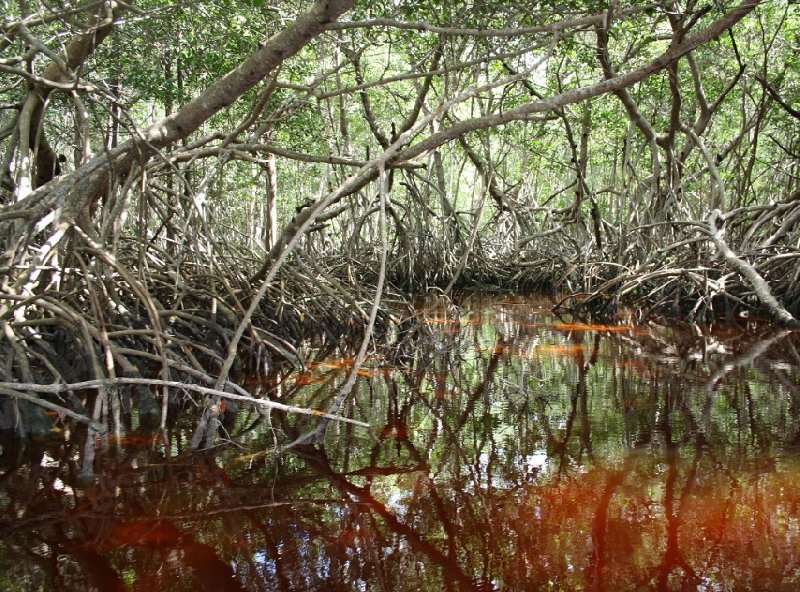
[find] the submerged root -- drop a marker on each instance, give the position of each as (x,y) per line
(147,331)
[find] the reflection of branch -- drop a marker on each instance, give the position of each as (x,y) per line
(561,447)
(744,359)
(56,516)
(721,467)
(488,379)
(99,572)
(672,554)
(599,526)
(317,460)
(578,401)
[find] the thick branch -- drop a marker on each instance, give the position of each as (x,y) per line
(85,185)
(395,154)
(18,390)
(578,95)
(751,276)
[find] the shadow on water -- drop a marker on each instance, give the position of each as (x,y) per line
(509,451)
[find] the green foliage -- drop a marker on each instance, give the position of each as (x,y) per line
(164,54)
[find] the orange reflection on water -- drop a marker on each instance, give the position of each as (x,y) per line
(380,371)
(439,321)
(136,440)
(249,457)
(558,349)
(641,368)
(334,364)
(473,320)
(395,432)
(594,328)
(143,533)
(307,378)
(548,463)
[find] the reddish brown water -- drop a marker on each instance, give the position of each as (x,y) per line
(508,451)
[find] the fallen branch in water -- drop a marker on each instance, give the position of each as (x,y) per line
(13,389)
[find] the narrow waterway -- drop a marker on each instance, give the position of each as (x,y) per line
(509,450)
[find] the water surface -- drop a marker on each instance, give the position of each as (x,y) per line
(509,450)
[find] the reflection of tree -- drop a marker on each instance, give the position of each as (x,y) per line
(94,526)
(673,558)
(513,452)
(578,410)
(598,560)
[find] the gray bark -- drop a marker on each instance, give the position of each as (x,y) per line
(77,191)
(750,275)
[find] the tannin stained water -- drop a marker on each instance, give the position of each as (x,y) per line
(509,450)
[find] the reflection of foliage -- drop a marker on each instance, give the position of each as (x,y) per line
(513,451)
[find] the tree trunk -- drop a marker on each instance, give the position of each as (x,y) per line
(85,186)
(270,203)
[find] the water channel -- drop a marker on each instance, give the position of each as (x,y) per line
(508,450)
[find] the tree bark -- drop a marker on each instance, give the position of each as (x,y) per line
(38,162)
(271,203)
(750,275)
(77,191)
(397,152)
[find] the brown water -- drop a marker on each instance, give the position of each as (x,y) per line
(509,451)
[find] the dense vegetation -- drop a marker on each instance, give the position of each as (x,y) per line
(189,190)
